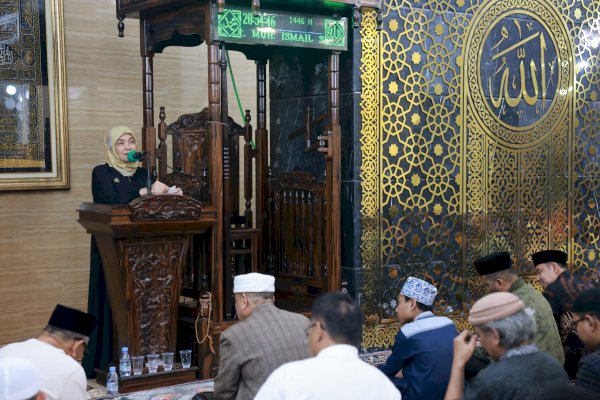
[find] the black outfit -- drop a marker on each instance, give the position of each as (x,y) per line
(109,186)
(561,295)
(516,378)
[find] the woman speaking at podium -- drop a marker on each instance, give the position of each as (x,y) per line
(118,181)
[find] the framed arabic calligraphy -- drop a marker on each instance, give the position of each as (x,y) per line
(33,115)
(519,73)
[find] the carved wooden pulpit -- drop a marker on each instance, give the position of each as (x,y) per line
(143,246)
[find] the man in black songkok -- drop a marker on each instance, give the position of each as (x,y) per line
(560,289)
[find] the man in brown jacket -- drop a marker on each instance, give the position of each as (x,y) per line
(265,338)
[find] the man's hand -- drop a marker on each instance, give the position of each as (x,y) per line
(464,346)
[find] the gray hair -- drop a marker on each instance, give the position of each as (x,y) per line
(260,297)
(514,329)
(65,335)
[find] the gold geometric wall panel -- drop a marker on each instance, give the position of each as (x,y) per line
(516,130)
(479,133)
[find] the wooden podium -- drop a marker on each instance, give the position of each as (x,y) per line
(143,246)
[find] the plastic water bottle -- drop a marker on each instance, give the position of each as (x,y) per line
(125,363)
(112,382)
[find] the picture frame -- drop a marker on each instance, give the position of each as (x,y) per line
(33,97)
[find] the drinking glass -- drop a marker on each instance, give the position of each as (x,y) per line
(137,363)
(186,358)
(167,358)
(153,363)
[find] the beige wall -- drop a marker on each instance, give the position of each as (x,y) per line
(44,252)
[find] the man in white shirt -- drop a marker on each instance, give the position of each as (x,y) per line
(57,353)
(334,371)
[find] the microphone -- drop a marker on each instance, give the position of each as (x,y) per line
(136,155)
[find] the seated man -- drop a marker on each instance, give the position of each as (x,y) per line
(335,371)
(569,392)
(19,380)
(506,330)
(57,353)
(498,275)
(421,358)
(586,313)
(265,338)
(560,289)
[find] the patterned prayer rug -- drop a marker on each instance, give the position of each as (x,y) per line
(375,358)
(178,392)
(188,390)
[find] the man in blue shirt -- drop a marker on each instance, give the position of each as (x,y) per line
(421,359)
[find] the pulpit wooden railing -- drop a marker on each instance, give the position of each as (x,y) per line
(191,173)
(295,249)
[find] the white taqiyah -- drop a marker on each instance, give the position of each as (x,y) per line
(19,379)
(254,283)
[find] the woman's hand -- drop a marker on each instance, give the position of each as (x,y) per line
(159,188)
(176,191)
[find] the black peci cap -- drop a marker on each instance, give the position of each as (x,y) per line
(587,301)
(72,320)
(493,263)
(545,256)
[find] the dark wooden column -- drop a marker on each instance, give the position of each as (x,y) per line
(333,163)
(215,130)
(262,143)
(228,190)
(148,129)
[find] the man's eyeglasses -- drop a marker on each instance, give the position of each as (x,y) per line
(308,328)
(85,347)
(577,321)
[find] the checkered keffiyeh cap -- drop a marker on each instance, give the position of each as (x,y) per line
(418,289)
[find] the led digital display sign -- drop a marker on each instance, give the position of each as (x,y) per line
(279,28)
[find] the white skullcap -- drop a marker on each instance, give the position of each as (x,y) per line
(254,283)
(19,379)
(421,291)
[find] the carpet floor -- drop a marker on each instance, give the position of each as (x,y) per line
(178,392)
(188,390)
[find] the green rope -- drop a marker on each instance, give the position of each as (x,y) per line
(237,96)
